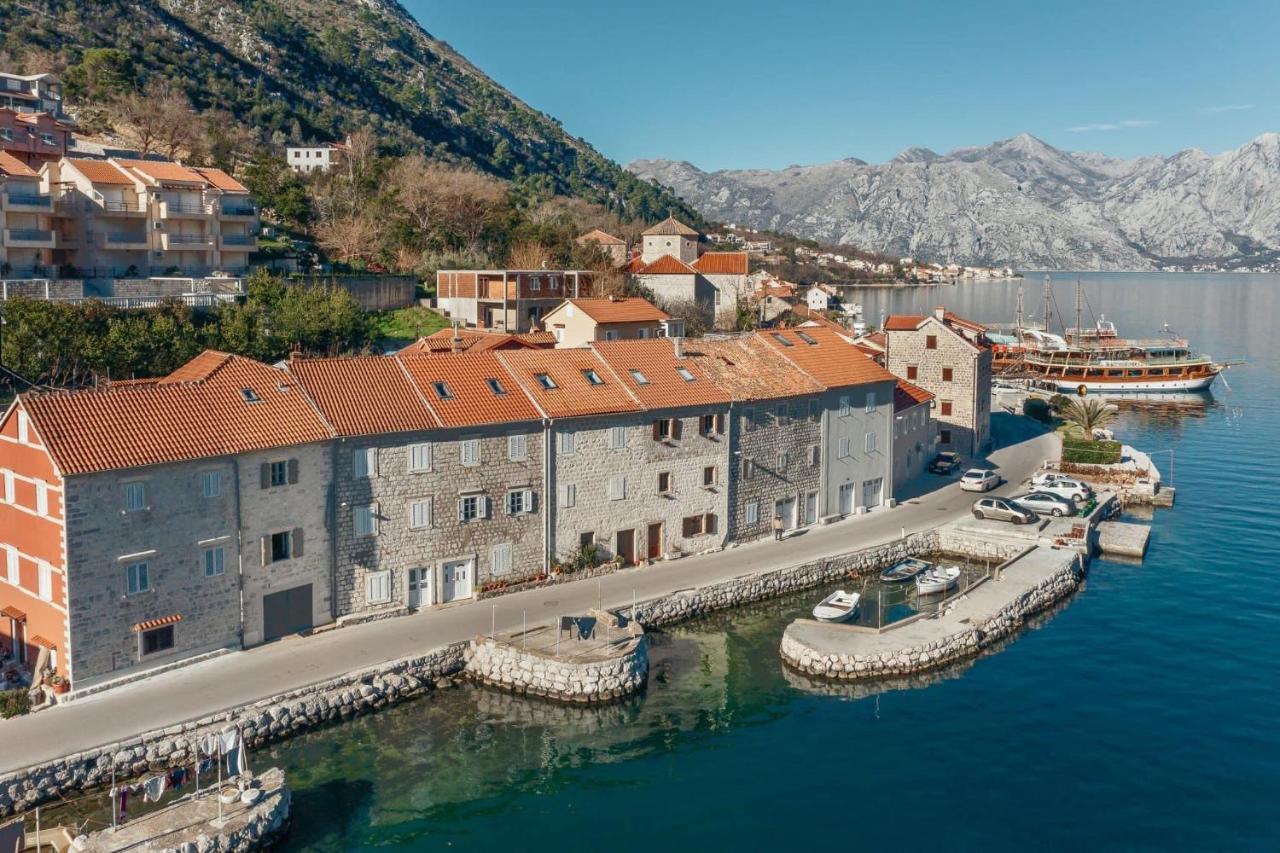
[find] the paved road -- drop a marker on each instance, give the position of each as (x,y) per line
(231,680)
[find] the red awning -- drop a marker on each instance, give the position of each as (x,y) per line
(13,613)
(157,623)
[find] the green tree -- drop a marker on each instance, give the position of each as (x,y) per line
(1088,414)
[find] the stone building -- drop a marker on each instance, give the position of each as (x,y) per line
(511,301)
(614,248)
(947,356)
(170,495)
(438,488)
(912,432)
(775,434)
(671,266)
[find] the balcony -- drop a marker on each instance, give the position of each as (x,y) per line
(186,242)
(238,243)
(237,212)
(127,209)
(185,210)
(26,202)
(29,238)
(124,241)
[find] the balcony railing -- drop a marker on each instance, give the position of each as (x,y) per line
(29,235)
(240,210)
(239,239)
(190,239)
(43,202)
(122,206)
(126,238)
(171,207)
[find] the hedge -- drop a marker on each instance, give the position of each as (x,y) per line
(1082,451)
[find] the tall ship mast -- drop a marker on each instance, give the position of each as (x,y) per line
(1095,358)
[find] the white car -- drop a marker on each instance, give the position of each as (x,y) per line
(1063,487)
(979,480)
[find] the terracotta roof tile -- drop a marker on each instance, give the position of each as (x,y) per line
(101,172)
(903,322)
(43,642)
(479,340)
(470,400)
(135,425)
(604,238)
(366,395)
(722,263)
(666,265)
(220,179)
(573,395)
(670,227)
(957,320)
(906,395)
(665,386)
(749,369)
(161,171)
(827,356)
(627,310)
(12,166)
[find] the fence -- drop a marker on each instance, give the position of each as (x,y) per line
(373,292)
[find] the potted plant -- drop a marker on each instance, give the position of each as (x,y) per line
(59,684)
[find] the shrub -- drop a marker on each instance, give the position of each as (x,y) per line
(14,702)
(1083,451)
(1034,407)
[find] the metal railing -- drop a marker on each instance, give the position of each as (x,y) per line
(186,207)
(239,239)
(190,239)
(125,238)
(30,234)
(42,201)
(122,206)
(239,211)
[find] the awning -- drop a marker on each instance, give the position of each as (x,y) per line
(13,613)
(157,623)
(37,640)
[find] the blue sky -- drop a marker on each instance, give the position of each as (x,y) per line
(747,84)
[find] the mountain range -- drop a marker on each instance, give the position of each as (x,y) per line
(1019,202)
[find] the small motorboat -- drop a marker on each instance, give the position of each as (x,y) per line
(837,607)
(904,570)
(937,579)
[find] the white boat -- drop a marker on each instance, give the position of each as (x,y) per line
(904,570)
(937,579)
(837,607)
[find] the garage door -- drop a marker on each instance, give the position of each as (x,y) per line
(286,612)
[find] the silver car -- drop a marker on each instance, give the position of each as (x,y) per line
(1001,509)
(1044,503)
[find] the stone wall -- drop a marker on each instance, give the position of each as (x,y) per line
(954,647)
(773,455)
(261,723)
(41,288)
(968,391)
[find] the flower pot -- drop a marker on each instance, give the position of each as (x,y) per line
(229,795)
(60,687)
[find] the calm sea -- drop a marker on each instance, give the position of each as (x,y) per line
(1144,715)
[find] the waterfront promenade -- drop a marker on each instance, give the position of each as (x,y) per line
(244,677)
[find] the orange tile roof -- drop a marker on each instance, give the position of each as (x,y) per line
(161,171)
(472,401)
(664,387)
(220,179)
(633,265)
(479,340)
(903,322)
(574,395)
(197,369)
(878,339)
(12,166)
(366,395)
(604,238)
(906,395)
(666,265)
(830,358)
(670,227)
(957,320)
(149,624)
(135,425)
(101,172)
(622,310)
(722,263)
(749,369)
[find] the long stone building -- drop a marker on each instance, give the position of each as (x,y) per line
(231,503)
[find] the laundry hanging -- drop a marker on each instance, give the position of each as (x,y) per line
(153,788)
(120,799)
(177,777)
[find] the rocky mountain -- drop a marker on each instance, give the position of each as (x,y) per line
(303,70)
(1018,202)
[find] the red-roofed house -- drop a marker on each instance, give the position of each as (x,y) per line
(614,248)
(577,322)
(670,267)
(27,233)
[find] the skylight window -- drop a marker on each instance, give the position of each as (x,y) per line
(592,377)
(639,377)
(496,387)
(685,374)
(443,391)
(806,338)
(546,381)
(782,339)
(250,396)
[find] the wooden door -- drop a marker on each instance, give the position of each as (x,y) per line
(626,541)
(654,551)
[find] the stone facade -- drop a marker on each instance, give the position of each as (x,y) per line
(613,491)
(398,547)
(778,456)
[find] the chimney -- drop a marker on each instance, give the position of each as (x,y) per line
(677,343)
(940,312)
(455,343)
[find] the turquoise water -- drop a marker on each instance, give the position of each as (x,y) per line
(1143,715)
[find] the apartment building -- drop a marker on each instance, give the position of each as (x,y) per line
(32,93)
(913,432)
(577,322)
(154,520)
(137,218)
(27,235)
(33,138)
(671,266)
(512,301)
(947,356)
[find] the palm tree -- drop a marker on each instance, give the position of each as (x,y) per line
(1089,414)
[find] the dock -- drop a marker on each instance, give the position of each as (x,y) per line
(1123,539)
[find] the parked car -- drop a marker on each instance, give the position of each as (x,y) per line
(1000,509)
(980,480)
(945,462)
(1072,490)
(1045,503)
(1041,478)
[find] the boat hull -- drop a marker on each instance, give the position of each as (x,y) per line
(1124,386)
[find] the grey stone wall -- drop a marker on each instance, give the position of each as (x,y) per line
(773,461)
(592,464)
(398,548)
(167,535)
(968,392)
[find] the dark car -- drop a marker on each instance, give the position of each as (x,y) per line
(945,462)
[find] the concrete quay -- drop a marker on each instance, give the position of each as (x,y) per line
(1023,585)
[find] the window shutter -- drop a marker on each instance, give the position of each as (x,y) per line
(293,471)
(266,550)
(657,430)
(676,428)
(486,506)
(264,475)
(296,549)
(709,523)
(720,428)
(528,500)
(461,503)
